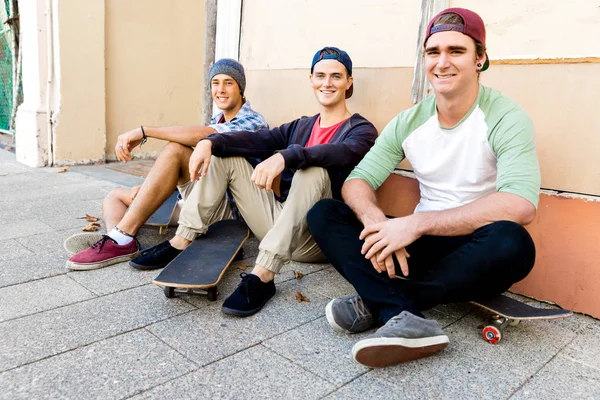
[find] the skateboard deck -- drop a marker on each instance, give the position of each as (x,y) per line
(508,311)
(162,216)
(204,262)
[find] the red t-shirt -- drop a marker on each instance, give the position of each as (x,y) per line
(322,135)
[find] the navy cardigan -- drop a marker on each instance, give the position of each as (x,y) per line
(348,146)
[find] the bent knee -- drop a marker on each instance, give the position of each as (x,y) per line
(513,243)
(175,150)
(119,193)
(312,174)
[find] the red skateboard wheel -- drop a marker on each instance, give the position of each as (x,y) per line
(491,334)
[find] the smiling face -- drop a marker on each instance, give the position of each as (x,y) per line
(226,93)
(451,63)
(330,81)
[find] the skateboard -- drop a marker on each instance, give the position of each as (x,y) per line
(162,216)
(508,311)
(202,265)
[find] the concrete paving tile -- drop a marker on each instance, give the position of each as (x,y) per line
(327,282)
(29,267)
(447,314)
(287,272)
(39,183)
(62,192)
(560,379)
(10,215)
(23,228)
(12,168)
(7,156)
(114,278)
(255,373)
(44,294)
(584,348)
(452,375)
(207,335)
(113,368)
(321,350)
(48,243)
(437,377)
(99,172)
(11,249)
(70,214)
(368,387)
(52,332)
(527,346)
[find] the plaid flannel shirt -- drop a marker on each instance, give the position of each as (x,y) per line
(246,119)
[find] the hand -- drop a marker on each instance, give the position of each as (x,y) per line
(126,142)
(388,237)
(134,191)
(388,266)
(200,158)
(267,171)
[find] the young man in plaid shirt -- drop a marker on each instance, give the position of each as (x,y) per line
(126,210)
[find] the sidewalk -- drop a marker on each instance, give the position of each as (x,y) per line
(110,333)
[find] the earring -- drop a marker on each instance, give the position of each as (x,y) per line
(479,65)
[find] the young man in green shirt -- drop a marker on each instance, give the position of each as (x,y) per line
(473,153)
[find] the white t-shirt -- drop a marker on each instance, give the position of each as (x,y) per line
(491,149)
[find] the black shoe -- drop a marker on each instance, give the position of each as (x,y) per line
(155,257)
(249,297)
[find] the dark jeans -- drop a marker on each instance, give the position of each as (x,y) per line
(442,269)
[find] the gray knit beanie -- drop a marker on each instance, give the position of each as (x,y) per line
(232,68)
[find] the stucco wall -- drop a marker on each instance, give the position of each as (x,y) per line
(286,34)
(78,103)
(154,57)
(521,29)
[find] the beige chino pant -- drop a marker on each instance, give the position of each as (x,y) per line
(281,227)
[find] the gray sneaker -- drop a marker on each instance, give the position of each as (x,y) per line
(81,241)
(348,314)
(403,338)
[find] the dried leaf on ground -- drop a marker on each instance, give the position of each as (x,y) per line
(9,148)
(63,169)
(243,267)
(298,275)
(91,227)
(89,218)
(300,298)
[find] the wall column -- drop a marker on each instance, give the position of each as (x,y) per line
(31,125)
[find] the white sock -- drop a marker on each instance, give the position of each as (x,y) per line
(119,237)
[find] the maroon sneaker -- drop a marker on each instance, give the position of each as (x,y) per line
(103,253)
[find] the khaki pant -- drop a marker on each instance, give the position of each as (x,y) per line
(281,227)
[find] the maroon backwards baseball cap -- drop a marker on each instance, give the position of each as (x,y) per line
(472,26)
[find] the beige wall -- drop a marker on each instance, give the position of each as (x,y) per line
(79,111)
(562,99)
(539,28)
(154,57)
(286,34)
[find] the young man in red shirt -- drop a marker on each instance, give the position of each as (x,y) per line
(308,158)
